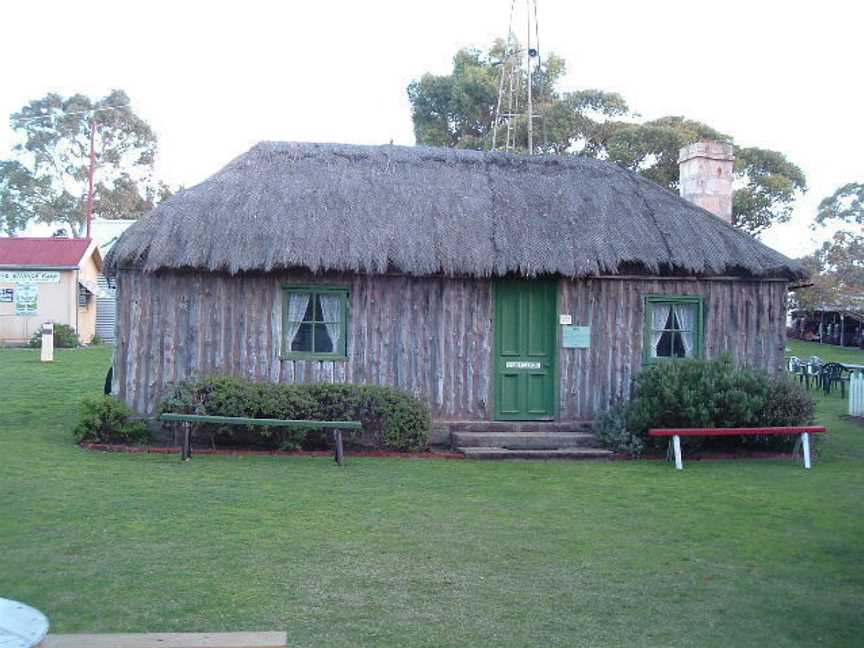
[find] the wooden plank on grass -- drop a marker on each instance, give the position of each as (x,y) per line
(169,640)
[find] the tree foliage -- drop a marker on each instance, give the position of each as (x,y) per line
(46,181)
(837,273)
(768,184)
(651,148)
(458,110)
(837,266)
(846,205)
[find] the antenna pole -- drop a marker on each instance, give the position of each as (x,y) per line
(498,105)
(90,174)
(508,118)
(530,102)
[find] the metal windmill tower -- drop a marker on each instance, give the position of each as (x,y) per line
(518,65)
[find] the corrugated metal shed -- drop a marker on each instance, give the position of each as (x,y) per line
(106,310)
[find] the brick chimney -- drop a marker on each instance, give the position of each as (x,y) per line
(705,176)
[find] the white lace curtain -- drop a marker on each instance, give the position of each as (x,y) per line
(297,305)
(659,316)
(686,316)
(331,308)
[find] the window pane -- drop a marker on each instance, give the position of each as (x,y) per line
(299,306)
(330,307)
(685,317)
(664,345)
(673,329)
(315,309)
(314,322)
(303,339)
(323,344)
(678,346)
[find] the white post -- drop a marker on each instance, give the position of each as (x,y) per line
(47,342)
(856,394)
(805,445)
(676,445)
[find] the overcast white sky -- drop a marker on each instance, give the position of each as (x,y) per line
(214,78)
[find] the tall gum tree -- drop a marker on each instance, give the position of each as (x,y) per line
(46,180)
(458,110)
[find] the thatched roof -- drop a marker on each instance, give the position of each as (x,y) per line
(421,210)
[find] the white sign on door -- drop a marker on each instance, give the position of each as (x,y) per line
(512,364)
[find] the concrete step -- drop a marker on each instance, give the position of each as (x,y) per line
(574,425)
(561,453)
(524,440)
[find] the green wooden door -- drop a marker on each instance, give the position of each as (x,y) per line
(525,350)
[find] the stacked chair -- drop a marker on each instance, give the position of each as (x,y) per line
(834,374)
(826,376)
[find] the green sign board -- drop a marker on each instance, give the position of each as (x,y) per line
(575,337)
(26,299)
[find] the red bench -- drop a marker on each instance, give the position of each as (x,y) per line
(676,433)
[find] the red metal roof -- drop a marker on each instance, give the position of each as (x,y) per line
(42,252)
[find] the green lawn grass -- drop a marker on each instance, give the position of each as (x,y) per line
(414,552)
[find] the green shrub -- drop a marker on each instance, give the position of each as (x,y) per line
(105,419)
(705,393)
(96,341)
(65,337)
(391,419)
(611,428)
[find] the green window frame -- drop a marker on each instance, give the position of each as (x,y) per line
(314,322)
(673,334)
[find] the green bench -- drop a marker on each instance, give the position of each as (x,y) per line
(188,419)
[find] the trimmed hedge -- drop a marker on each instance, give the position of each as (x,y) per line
(65,337)
(392,419)
(105,419)
(705,393)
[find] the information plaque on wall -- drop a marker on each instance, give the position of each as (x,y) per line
(575,337)
(26,299)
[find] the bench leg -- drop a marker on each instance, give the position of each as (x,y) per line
(337,441)
(186,452)
(805,445)
(676,445)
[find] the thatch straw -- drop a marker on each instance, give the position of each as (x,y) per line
(419,210)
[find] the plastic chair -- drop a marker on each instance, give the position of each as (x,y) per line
(796,368)
(813,370)
(832,374)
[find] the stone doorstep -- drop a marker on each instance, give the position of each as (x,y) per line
(561,453)
(524,440)
(169,640)
(443,428)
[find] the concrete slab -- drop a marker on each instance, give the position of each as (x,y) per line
(563,453)
(169,640)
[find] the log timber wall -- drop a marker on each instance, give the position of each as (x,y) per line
(431,336)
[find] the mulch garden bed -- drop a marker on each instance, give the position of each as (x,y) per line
(713,455)
(431,454)
(240,452)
